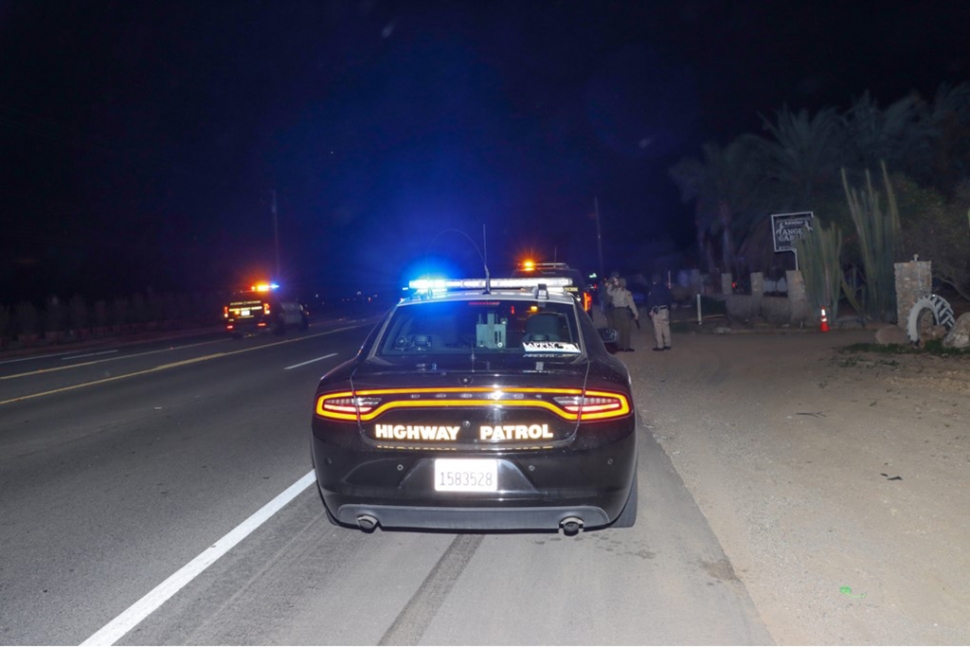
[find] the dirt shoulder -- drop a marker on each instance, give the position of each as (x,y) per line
(819,470)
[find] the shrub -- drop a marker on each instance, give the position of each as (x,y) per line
(119,311)
(77,312)
(27,319)
(711,306)
(4,321)
(100,313)
(55,315)
(937,231)
(139,308)
(156,306)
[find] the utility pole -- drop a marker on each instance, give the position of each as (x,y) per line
(599,234)
(276,237)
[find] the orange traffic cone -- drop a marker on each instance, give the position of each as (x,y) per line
(824,323)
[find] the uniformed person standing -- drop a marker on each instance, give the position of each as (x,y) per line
(660,301)
(624,312)
(606,301)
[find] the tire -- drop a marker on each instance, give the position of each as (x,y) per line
(628,517)
(933,305)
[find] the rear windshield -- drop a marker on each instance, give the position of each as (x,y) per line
(485,326)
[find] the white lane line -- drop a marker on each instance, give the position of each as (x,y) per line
(104,352)
(114,359)
(28,359)
(311,361)
(133,615)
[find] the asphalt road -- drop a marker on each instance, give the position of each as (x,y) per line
(125,468)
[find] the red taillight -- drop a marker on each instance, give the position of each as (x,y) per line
(595,405)
(571,404)
(265,308)
(344,406)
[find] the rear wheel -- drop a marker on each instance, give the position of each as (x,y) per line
(279,326)
(628,517)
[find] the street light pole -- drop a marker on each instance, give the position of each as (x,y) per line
(599,233)
(276,236)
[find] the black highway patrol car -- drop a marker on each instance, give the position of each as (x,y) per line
(479,404)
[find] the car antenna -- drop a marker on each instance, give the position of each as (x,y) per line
(488,280)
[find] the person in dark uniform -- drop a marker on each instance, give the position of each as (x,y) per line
(624,312)
(606,301)
(660,301)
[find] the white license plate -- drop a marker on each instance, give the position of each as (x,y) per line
(466,475)
(244,312)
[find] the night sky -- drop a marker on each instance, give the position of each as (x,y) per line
(141,143)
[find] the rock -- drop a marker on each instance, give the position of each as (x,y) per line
(959,335)
(934,332)
(892,335)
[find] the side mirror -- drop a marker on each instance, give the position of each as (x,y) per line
(608,335)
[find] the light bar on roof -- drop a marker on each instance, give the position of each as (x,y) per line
(472,284)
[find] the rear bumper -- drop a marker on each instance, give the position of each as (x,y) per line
(533,518)
(537,489)
(247,325)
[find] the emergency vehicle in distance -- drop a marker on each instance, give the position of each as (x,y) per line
(263,307)
(479,404)
(578,289)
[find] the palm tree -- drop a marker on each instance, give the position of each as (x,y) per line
(721,186)
(947,131)
(798,167)
(805,155)
(892,136)
(690,176)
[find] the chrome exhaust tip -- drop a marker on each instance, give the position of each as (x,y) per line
(366,522)
(571,526)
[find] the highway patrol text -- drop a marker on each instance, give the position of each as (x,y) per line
(450,433)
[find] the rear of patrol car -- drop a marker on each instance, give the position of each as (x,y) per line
(578,287)
(263,307)
(480,411)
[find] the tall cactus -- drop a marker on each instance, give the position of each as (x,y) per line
(878,239)
(821,251)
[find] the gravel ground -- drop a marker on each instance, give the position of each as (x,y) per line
(837,483)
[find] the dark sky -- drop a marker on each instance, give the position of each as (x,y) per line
(141,142)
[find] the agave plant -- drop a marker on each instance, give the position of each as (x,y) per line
(821,251)
(878,233)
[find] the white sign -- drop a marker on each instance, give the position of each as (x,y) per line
(550,347)
(787,228)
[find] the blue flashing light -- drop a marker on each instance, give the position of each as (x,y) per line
(428,284)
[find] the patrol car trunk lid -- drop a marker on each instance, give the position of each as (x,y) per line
(432,407)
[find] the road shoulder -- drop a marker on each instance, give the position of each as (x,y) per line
(818,472)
